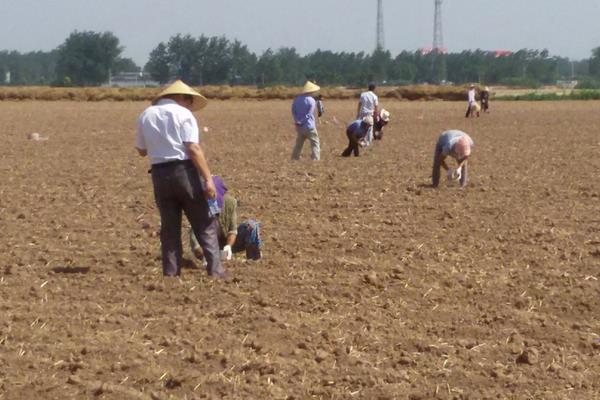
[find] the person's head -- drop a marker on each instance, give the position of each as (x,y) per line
(384,116)
(310,88)
(472,87)
(462,149)
(184,100)
(372,86)
(184,95)
(367,121)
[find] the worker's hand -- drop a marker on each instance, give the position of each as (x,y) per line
(226,253)
(210,191)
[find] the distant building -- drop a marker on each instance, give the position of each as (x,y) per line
(131,79)
(426,50)
(567,84)
(499,53)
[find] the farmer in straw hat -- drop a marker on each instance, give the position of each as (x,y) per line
(303,112)
(456,144)
(485,99)
(383,120)
(167,132)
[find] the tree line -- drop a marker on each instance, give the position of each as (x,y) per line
(88,58)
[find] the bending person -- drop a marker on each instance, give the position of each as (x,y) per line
(357,131)
(233,238)
(456,144)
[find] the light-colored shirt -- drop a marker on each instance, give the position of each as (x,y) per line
(448,139)
(471,96)
(303,111)
(368,101)
(163,129)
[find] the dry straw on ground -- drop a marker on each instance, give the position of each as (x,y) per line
(419,92)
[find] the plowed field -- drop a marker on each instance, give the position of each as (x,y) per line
(372,286)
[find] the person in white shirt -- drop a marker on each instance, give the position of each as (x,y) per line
(368,105)
(167,132)
(472,105)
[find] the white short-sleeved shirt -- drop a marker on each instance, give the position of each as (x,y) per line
(163,129)
(368,101)
(471,96)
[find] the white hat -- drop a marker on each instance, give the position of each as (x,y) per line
(310,87)
(384,115)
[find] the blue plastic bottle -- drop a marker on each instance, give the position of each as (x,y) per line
(213,207)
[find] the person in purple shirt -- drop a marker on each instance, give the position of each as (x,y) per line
(303,112)
(356,131)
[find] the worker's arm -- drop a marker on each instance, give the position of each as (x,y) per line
(462,162)
(442,159)
(197,156)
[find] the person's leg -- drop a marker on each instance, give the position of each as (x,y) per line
(249,239)
(348,151)
(315,144)
(300,138)
(468,111)
(435,173)
(355,145)
(170,223)
(464,174)
(370,136)
(205,227)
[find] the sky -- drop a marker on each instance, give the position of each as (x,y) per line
(567,28)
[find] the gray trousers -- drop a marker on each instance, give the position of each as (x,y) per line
(177,189)
(313,136)
(435,174)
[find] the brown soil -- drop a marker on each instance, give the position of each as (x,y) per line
(373,285)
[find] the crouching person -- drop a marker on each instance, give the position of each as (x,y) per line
(383,120)
(456,144)
(356,131)
(233,238)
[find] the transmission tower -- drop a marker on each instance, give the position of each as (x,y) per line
(438,50)
(380,40)
(438,35)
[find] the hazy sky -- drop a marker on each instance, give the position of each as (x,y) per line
(565,27)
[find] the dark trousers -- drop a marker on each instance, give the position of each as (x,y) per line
(485,105)
(437,165)
(353,146)
(177,189)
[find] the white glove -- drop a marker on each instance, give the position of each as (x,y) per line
(454,174)
(226,253)
(457,174)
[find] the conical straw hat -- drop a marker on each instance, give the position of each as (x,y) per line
(178,87)
(310,87)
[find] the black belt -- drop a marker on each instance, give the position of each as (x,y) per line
(170,164)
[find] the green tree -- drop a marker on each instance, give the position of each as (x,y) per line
(595,63)
(86,58)
(125,65)
(158,64)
